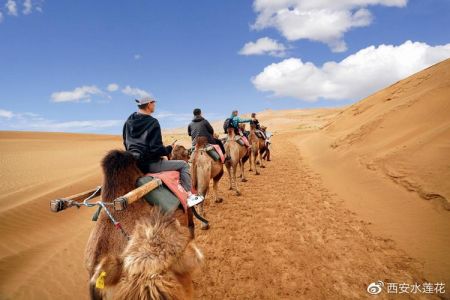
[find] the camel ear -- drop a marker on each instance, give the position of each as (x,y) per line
(108,272)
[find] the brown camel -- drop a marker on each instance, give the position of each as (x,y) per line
(120,174)
(257,147)
(157,263)
(238,155)
(203,169)
(265,153)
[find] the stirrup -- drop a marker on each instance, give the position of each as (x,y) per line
(193,200)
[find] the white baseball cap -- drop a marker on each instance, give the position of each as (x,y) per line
(144,100)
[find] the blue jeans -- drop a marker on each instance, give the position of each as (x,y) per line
(173,165)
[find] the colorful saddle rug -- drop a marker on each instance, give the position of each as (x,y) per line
(170,195)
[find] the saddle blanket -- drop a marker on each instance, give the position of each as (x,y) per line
(219,151)
(171,180)
(244,138)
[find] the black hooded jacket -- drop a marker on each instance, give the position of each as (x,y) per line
(201,127)
(142,137)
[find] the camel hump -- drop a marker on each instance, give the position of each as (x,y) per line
(201,141)
(120,172)
(118,159)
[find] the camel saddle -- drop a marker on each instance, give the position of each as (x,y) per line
(170,196)
(213,151)
(259,134)
(242,140)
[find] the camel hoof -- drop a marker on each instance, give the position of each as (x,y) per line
(238,193)
(263,166)
(219,200)
(230,188)
(244,180)
(257,173)
(204,226)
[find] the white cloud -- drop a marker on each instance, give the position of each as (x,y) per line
(31,121)
(11,7)
(357,76)
(6,114)
(263,45)
(82,93)
(112,87)
(137,56)
(319,20)
(1,17)
(136,92)
(91,125)
(27,7)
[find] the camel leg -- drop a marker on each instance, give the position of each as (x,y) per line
(204,226)
(261,161)
(254,161)
(230,177)
(241,164)
(236,188)
(250,162)
(217,199)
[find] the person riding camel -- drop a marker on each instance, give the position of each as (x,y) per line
(234,122)
(255,122)
(142,138)
(201,127)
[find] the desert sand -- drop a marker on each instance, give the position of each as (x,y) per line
(353,195)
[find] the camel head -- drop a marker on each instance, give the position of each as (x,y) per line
(120,172)
(230,132)
(179,152)
(157,263)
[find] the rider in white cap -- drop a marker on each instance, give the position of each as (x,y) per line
(142,137)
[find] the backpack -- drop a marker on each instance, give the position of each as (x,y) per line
(227,124)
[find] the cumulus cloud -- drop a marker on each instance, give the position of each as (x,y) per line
(357,76)
(11,7)
(112,87)
(135,92)
(325,21)
(137,56)
(262,46)
(6,114)
(82,93)
(27,7)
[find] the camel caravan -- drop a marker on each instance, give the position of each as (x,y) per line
(143,243)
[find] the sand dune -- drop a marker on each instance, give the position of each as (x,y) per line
(404,131)
(346,205)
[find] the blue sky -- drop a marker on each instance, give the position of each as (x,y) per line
(57,58)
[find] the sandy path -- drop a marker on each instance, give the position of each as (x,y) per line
(289,238)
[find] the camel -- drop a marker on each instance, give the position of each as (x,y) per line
(203,169)
(257,147)
(238,155)
(120,174)
(265,153)
(157,263)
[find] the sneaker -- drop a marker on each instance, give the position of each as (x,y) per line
(194,200)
